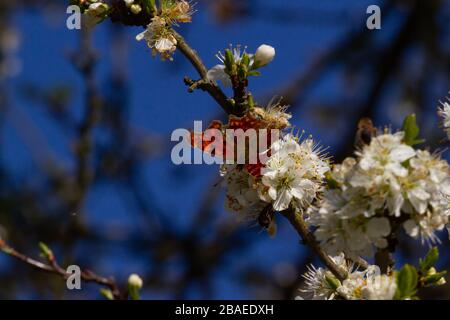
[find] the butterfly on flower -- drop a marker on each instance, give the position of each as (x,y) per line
(271,119)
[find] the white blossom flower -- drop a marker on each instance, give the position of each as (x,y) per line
(217,73)
(128,3)
(379,287)
(159,38)
(369,284)
(320,283)
(344,225)
(444,112)
(293,173)
(427,191)
(388,178)
(381,163)
(241,195)
(264,55)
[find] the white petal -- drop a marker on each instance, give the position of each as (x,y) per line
(402,153)
(217,73)
(418,198)
(395,204)
(141,35)
(283,200)
(377,227)
(397,169)
(411,228)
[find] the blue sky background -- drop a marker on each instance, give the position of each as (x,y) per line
(159,103)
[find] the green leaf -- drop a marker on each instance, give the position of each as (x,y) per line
(411,131)
(407,279)
(430,260)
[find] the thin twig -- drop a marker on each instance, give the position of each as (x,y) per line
(213,90)
(54,268)
(299,224)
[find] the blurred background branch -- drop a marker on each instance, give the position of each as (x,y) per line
(84,152)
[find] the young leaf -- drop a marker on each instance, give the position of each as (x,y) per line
(411,131)
(430,260)
(407,279)
(46,252)
(107,293)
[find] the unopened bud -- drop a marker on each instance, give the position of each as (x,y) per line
(441,281)
(431,271)
(98,8)
(264,55)
(135,281)
(135,8)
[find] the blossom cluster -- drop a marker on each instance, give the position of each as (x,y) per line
(291,176)
(368,284)
(262,57)
(159,34)
(388,184)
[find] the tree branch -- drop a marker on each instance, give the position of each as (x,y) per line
(299,224)
(206,85)
(54,268)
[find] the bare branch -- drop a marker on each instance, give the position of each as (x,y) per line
(53,267)
(208,86)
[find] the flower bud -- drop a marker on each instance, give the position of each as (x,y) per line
(135,8)
(441,282)
(97,8)
(264,55)
(135,281)
(431,271)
